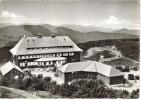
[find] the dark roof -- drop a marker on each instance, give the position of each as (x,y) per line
(21,48)
(91,66)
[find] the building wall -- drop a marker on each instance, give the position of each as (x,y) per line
(60,74)
(71,57)
(12,74)
(79,75)
(90,75)
(10,80)
(116,80)
(103,78)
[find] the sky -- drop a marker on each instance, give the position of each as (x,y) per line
(99,13)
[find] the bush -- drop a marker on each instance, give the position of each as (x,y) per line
(126,69)
(130,77)
(135,94)
(119,68)
(137,77)
(135,68)
(124,94)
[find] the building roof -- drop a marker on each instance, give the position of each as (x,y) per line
(42,42)
(8,67)
(91,66)
(51,59)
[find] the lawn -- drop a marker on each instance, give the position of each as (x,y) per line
(11,93)
(5,93)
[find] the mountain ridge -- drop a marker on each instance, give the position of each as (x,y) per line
(11,34)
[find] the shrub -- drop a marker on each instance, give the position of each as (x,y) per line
(119,68)
(130,77)
(124,94)
(126,69)
(135,94)
(135,68)
(137,77)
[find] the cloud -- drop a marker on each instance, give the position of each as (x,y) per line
(112,20)
(10,17)
(7,14)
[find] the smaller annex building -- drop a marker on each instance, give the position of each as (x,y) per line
(10,71)
(90,70)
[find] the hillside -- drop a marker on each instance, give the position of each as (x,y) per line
(11,34)
(124,30)
(12,93)
(128,47)
(86,29)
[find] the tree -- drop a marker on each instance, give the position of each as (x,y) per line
(135,94)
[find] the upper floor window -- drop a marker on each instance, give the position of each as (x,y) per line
(58,54)
(19,57)
(65,54)
(23,57)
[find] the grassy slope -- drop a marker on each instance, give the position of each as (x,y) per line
(6,92)
(128,47)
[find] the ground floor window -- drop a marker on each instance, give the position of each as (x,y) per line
(22,64)
(71,54)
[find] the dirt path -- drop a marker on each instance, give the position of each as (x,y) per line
(25,94)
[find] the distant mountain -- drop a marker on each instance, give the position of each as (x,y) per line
(86,29)
(9,35)
(127,31)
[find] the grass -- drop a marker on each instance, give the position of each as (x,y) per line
(4,93)
(122,61)
(45,94)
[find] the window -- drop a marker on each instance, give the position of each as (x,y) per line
(50,62)
(34,56)
(30,56)
(65,54)
(32,63)
(22,64)
(35,63)
(42,63)
(26,57)
(29,63)
(59,54)
(19,57)
(23,57)
(47,63)
(71,54)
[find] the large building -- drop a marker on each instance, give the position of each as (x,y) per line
(29,49)
(90,70)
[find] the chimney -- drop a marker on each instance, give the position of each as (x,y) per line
(101,59)
(53,35)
